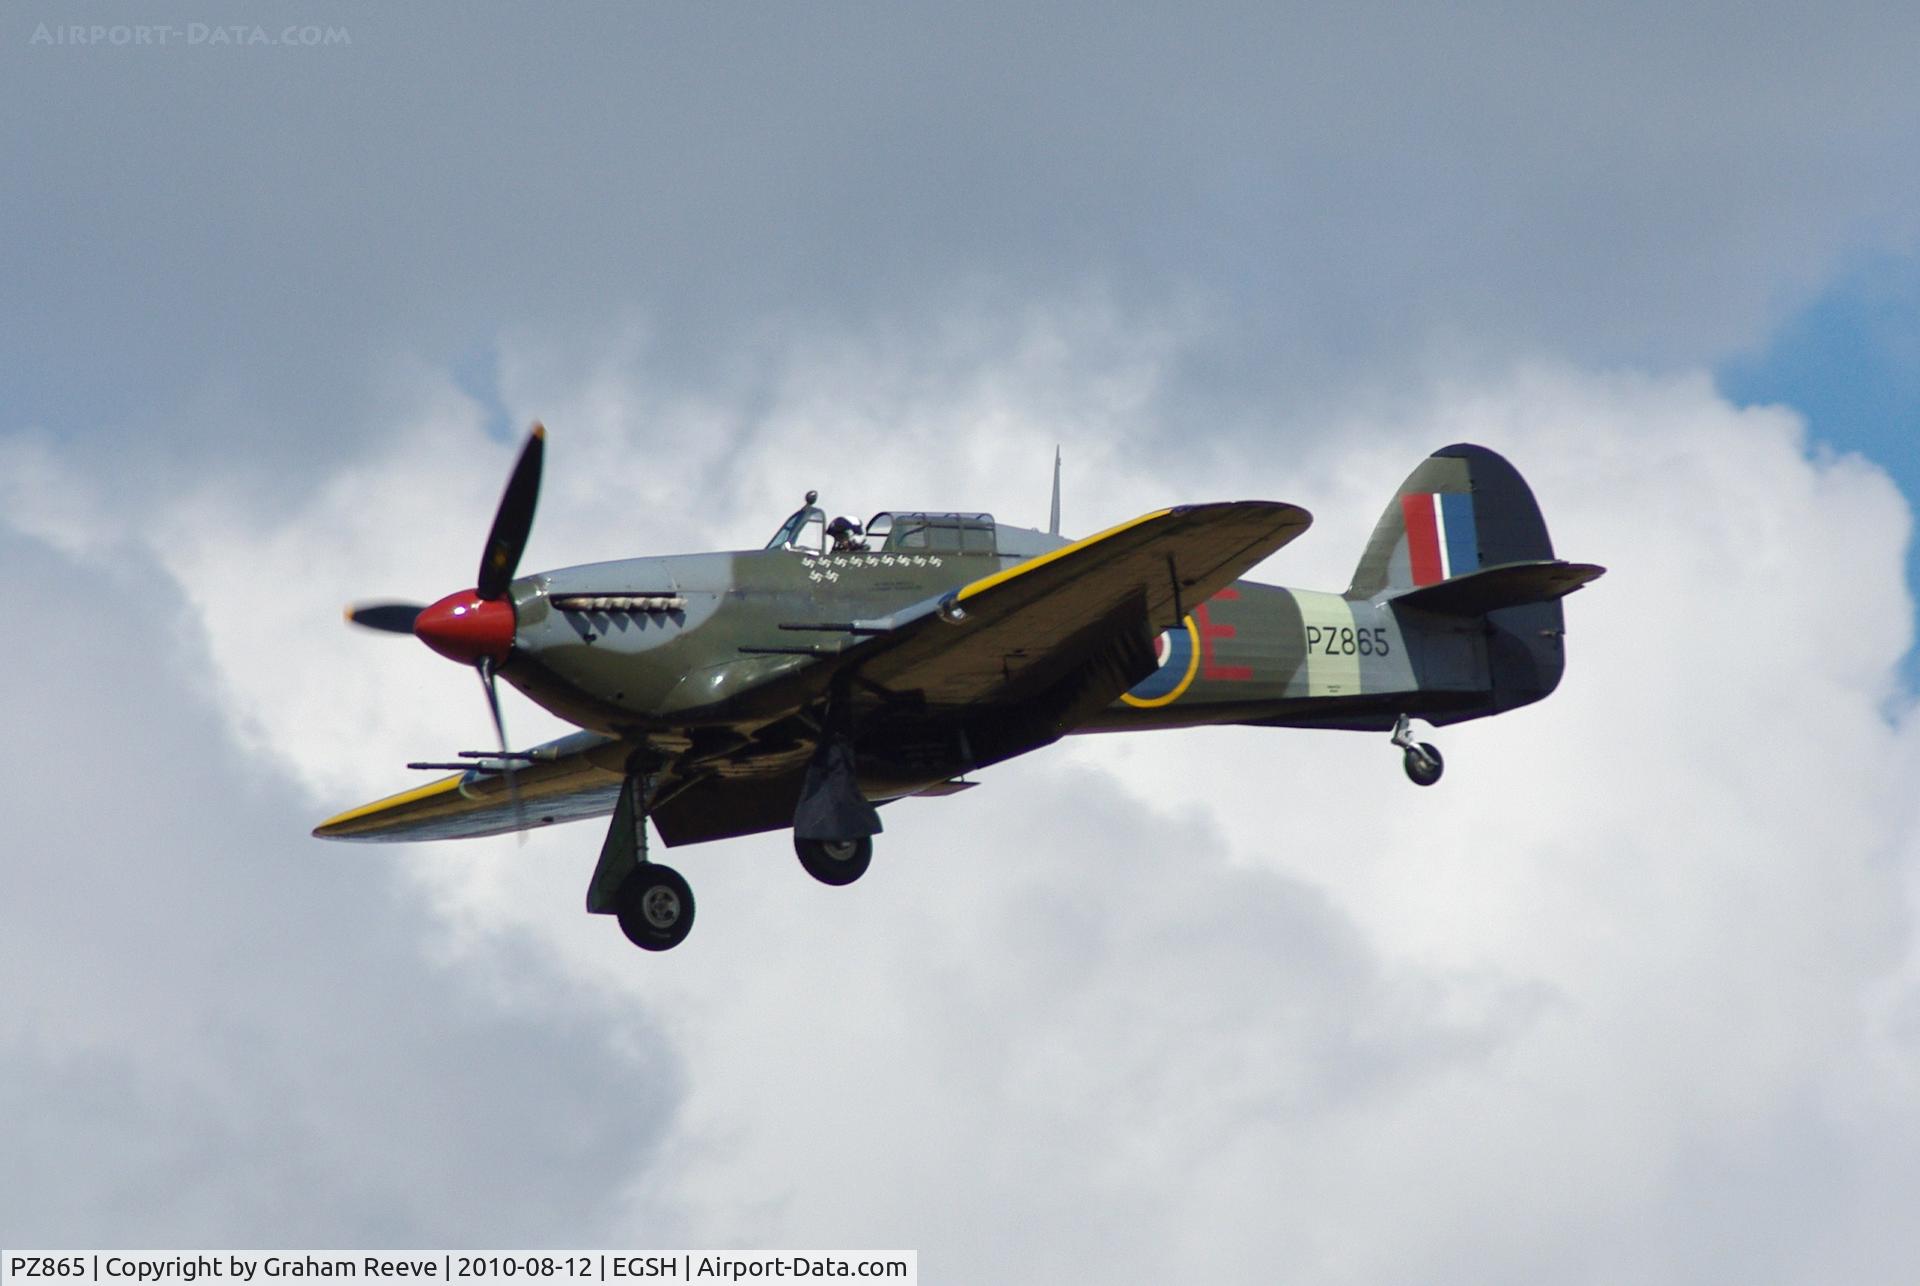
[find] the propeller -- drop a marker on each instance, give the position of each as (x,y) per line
(485,666)
(389,618)
(476,626)
(514,519)
(512,523)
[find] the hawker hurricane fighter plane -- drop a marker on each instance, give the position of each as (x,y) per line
(844,666)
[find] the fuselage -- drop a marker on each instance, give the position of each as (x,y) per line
(652,645)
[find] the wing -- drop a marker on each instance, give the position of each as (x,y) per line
(575,777)
(1061,636)
(1020,657)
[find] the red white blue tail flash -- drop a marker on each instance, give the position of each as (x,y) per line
(1441,539)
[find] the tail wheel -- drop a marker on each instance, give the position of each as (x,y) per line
(1424,764)
(656,908)
(834,861)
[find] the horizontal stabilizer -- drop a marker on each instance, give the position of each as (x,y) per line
(1508,585)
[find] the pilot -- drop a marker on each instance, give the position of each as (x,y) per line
(844,532)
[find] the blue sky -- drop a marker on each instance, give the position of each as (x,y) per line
(1849,360)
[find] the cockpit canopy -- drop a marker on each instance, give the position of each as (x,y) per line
(805,530)
(928,533)
(893,532)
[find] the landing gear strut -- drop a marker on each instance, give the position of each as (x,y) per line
(652,902)
(1421,760)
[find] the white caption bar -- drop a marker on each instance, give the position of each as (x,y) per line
(451,1267)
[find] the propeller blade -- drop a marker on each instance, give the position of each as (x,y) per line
(390,618)
(513,521)
(485,666)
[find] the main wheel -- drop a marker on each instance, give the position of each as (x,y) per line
(834,861)
(656,908)
(1424,765)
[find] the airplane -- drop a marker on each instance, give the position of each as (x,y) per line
(846,665)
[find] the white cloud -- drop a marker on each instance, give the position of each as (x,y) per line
(41,498)
(216,1031)
(1623,997)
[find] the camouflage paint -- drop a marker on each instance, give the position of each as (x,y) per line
(717,687)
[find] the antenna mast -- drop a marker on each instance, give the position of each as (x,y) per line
(1053,519)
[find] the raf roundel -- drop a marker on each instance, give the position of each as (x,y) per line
(1178,652)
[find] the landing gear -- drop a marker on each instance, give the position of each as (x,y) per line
(652,902)
(834,824)
(1421,760)
(834,861)
(655,907)
(1423,764)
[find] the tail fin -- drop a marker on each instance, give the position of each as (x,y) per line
(1464,538)
(1462,509)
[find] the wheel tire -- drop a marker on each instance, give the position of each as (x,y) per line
(834,862)
(1424,771)
(656,908)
